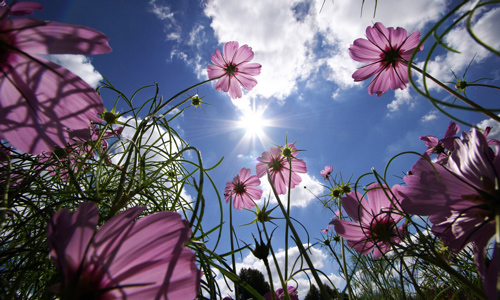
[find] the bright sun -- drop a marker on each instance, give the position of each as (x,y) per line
(253,123)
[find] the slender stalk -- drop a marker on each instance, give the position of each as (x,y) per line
(236,290)
(266,263)
(298,242)
(342,253)
(274,256)
(497,247)
(457,95)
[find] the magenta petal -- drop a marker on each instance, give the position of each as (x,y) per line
(250,69)
(229,50)
(223,84)
(24,8)
(367,71)
(59,38)
(69,235)
(234,89)
(247,82)
(364,51)
(40,106)
(214,71)
(244,54)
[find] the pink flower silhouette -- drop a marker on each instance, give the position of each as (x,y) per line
(326,172)
(123,259)
(279,164)
(375,224)
(280,294)
(74,154)
(444,146)
(41,103)
(233,68)
(459,197)
(387,52)
(243,189)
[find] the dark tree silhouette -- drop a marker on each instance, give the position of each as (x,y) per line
(255,279)
(315,294)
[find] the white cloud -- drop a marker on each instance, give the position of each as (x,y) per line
(163,12)
(287,35)
(485,27)
(495,128)
(403,98)
(300,196)
(78,64)
(318,258)
(432,115)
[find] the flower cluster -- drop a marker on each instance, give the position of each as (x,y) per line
(460,195)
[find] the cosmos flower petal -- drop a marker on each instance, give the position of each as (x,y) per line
(214,71)
(223,84)
(363,50)
(229,50)
(397,36)
(143,259)
(367,71)
(247,82)
(66,251)
(58,38)
(252,69)
(36,116)
(243,55)
(217,59)
(24,8)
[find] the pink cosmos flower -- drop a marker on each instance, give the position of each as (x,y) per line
(326,172)
(41,103)
(243,190)
(375,223)
(279,164)
(459,197)
(327,229)
(387,51)
(280,294)
(233,68)
(124,258)
(444,146)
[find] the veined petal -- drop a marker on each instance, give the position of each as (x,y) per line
(222,84)
(378,34)
(214,71)
(243,54)
(59,38)
(246,81)
(217,59)
(234,88)
(367,71)
(397,37)
(250,69)
(42,103)
(229,51)
(364,51)
(69,235)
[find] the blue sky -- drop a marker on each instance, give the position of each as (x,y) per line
(305,91)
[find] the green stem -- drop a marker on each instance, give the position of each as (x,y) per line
(298,242)
(236,290)
(274,256)
(458,96)
(273,293)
